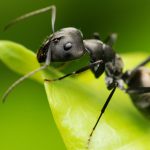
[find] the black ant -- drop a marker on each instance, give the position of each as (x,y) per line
(68,44)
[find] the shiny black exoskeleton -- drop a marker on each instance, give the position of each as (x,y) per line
(68,44)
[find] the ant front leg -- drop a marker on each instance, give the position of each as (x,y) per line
(99,62)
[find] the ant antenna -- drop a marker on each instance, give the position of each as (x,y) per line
(48,58)
(47,63)
(33,13)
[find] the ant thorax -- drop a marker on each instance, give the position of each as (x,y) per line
(114,72)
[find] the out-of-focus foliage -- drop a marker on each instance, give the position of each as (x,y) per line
(130,19)
(26,122)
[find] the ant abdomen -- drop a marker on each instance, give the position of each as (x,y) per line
(141,78)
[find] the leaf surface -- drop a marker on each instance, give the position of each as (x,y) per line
(76,103)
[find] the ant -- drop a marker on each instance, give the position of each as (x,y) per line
(68,44)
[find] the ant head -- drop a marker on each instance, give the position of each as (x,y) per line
(66,44)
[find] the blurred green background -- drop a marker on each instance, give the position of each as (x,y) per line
(26,121)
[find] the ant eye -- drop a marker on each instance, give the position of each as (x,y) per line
(67,46)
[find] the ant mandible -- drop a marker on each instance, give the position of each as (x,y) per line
(68,44)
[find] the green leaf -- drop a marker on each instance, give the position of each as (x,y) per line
(18,58)
(76,103)
(76,106)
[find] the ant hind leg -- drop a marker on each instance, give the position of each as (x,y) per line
(138,90)
(111,39)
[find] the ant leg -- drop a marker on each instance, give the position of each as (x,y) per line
(127,76)
(78,71)
(111,39)
(96,36)
(143,63)
(102,111)
(138,90)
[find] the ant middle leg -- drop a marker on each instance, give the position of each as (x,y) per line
(99,62)
(102,111)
